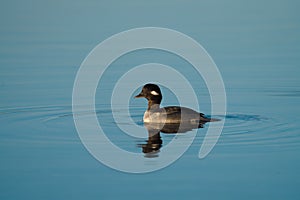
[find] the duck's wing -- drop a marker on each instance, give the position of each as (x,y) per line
(186,114)
(178,110)
(181,114)
(172,110)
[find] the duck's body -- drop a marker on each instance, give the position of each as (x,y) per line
(170,114)
(173,114)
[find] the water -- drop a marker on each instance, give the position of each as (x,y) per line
(256,47)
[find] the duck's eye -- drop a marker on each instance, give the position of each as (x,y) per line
(154,93)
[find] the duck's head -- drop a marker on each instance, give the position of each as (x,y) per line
(151,92)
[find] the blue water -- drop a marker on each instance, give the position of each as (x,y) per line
(255,45)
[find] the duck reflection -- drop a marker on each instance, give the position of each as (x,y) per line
(154,143)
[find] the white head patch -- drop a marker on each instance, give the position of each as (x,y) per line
(154,93)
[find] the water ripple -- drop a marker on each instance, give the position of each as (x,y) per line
(255,130)
(239,130)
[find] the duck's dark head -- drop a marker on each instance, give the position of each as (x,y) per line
(152,93)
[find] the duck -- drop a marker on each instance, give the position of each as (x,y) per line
(169,114)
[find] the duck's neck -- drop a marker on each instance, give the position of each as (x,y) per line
(153,105)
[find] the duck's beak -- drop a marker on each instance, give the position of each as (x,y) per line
(140,95)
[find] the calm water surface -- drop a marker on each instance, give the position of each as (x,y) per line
(256,47)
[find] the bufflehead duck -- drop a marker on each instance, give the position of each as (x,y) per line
(170,114)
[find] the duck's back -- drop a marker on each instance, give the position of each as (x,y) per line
(176,114)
